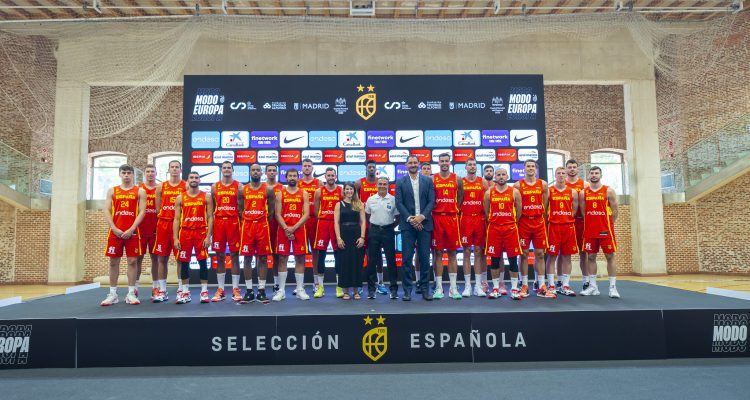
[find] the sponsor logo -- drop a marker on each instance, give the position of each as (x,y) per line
(461,155)
(506,155)
(460,105)
(201,157)
(496,106)
(366,104)
(274,105)
(730,333)
(517,172)
(322,139)
(333,156)
(15,344)
(484,155)
(264,139)
(380,139)
(207,173)
(526,154)
(355,156)
(388,171)
(319,171)
(438,138)
(466,138)
(235,139)
(409,139)
(396,105)
(460,169)
(289,156)
(340,106)
(245,157)
(401,171)
(209,105)
(293,139)
(316,156)
(350,173)
(223,155)
(351,139)
(242,173)
(375,340)
(205,140)
(242,106)
(283,168)
(437,152)
(311,106)
(495,138)
(422,154)
(379,156)
(523,137)
(398,156)
(522,104)
(430,105)
(268,156)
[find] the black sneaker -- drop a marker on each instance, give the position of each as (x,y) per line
(536,285)
(249,297)
(419,290)
(275,288)
(585,285)
(370,294)
(262,296)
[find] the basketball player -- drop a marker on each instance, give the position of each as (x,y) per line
(227,194)
(367,187)
(192,229)
(147,229)
(272,171)
(166,193)
(489,175)
(425,169)
(325,201)
(127,203)
(578,185)
(292,212)
(472,225)
(446,235)
(531,226)
(600,214)
(310,184)
(256,233)
(563,205)
(502,209)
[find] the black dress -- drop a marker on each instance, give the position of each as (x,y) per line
(349,260)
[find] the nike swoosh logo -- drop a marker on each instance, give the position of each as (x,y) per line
(206,174)
(517,139)
(319,175)
(287,140)
(404,140)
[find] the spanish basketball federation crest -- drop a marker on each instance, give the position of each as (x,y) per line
(366,104)
(375,341)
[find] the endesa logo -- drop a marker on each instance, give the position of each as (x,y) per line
(289,156)
(422,154)
(461,155)
(333,156)
(506,155)
(245,157)
(323,139)
(205,140)
(201,157)
(379,156)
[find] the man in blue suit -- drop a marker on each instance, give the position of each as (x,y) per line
(415,198)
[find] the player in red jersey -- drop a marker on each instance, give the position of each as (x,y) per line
(256,233)
(127,205)
(147,228)
(531,226)
(166,193)
(367,187)
(272,171)
(192,229)
(563,206)
(227,196)
(599,213)
(292,211)
(502,209)
(308,183)
(324,202)
(578,185)
(446,235)
(472,226)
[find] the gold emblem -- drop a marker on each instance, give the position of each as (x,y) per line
(366,104)
(375,341)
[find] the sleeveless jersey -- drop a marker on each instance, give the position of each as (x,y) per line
(256,203)
(194,211)
(446,194)
(579,187)
(226,199)
(291,206)
(148,225)
(168,194)
(560,205)
(277,187)
(310,188)
(473,196)
(367,189)
(328,200)
(531,198)
(502,207)
(598,219)
(124,207)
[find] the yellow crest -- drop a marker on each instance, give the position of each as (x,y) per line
(375,342)
(366,105)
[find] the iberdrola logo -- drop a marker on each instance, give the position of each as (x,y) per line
(375,341)
(366,103)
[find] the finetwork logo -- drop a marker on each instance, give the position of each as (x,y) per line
(522,103)
(380,139)
(15,344)
(209,105)
(730,333)
(264,139)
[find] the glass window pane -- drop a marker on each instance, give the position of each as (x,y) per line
(612,176)
(162,165)
(605,158)
(110,161)
(102,179)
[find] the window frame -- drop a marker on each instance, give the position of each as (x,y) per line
(92,169)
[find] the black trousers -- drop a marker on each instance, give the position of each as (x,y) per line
(381,240)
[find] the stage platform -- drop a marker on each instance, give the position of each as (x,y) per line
(649,322)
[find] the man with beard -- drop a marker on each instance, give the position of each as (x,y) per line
(272,171)
(227,194)
(472,227)
(166,194)
(325,201)
(367,187)
(309,184)
(292,211)
(502,209)
(256,233)
(531,226)
(573,181)
(563,205)
(489,174)
(446,235)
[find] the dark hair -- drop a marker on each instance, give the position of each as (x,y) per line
(126,168)
(194,173)
(307,160)
(330,169)
(228,162)
(272,165)
(425,163)
(471,159)
(368,162)
(290,170)
(149,166)
(173,161)
(571,161)
(488,166)
(441,155)
(528,161)
(595,168)
(411,156)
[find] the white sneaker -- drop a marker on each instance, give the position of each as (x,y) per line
(590,291)
(467,291)
(613,293)
(110,300)
(131,298)
(453,294)
(438,294)
(279,295)
(479,292)
(302,295)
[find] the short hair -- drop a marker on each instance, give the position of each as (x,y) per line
(290,170)
(126,168)
(384,179)
(175,161)
(425,163)
(441,155)
(571,161)
(559,169)
(272,165)
(595,168)
(227,162)
(370,161)
(194,173)
(149,166)
(471,159)
(330,169)
(410,156)
(307,160)
(528,161)
(488,166)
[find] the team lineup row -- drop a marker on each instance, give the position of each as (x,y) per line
(440,213)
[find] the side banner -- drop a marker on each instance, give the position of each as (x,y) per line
(706,333)
(37,343)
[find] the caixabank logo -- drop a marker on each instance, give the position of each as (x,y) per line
(209,105)
(730,333)
(15,343)
(375,340)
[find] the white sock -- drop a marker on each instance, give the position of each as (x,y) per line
(483,277)
(300,281)
(612,281)
(179,285)
(154,284)
(592,280)
(514,283)
(282,280)
(439,283)
(540,280)
(136,285)
(131,289)
(204,287)
(261,284)
(235,281)
(566,280)
(467,280)
(221,278)
(380,278)
(551,279)
(320,279)
(496,283)
(163,284)
(186,287)
(525,280)
(585,278)
(276,279)
(452,278)
(248,284)
(113,290)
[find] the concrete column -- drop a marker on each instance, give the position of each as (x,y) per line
(68,205)
(646,212)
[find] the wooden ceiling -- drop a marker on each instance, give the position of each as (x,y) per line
(669,10)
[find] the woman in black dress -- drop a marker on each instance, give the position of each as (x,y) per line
(349,224)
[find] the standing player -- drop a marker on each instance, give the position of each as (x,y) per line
(472,227)
(563,205)
(367,187)
(147,229)
(577,184)
(227,194)
(127,203)
(325,201)
(309,184)
(166,193)
(256,233)
(192,228)
(600,214)
(531,227)
(292,211)
(272,171)
(502,208)
(446,235)
(489,174)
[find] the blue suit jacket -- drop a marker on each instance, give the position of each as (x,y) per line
(406,204)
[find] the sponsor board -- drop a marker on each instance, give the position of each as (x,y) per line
(201,157)
(380,139)
(484,155)
(461,155)
(323,139)
(409,138)
(506,155)
(379,156)
(316,156)
(352,139)
(264,139)
(268,156)
(523,137)
(245,157)
(290,156)
(205,139)
(398,155)
(293,139)
(438,138)
(223,155)
(466,138)
(333,156)
(235,139)
(528,154)
(207,173)
(355,156)
(495,138)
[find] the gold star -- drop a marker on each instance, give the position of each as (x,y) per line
(360,88)
(370,88)
(368,320)
(381,320)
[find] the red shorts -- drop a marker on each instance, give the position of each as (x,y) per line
(562,239)
(164,235)
(532,230)
(115,245)
(256,238)
(283,244)
(148,243)
(607,244)
(502,238)
(579,233)
(472,230)
(325,234)
(445,234)
(273,226)
(192,239)
(310,226)
(226,230)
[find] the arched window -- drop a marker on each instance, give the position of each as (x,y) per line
(612,163)
(555,158)
(161,162)
(104,173)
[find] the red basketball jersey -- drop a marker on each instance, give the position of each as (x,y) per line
(310,189)
(446,194)
(226,199)
(124,207)
(578,185)
(148,225)
(291,206)
(473,197)
(367,189)
(531,198)
(502,207)
(597,222)
(194,211)
(256,203)
(168,194)
(328,200)
(560,205)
